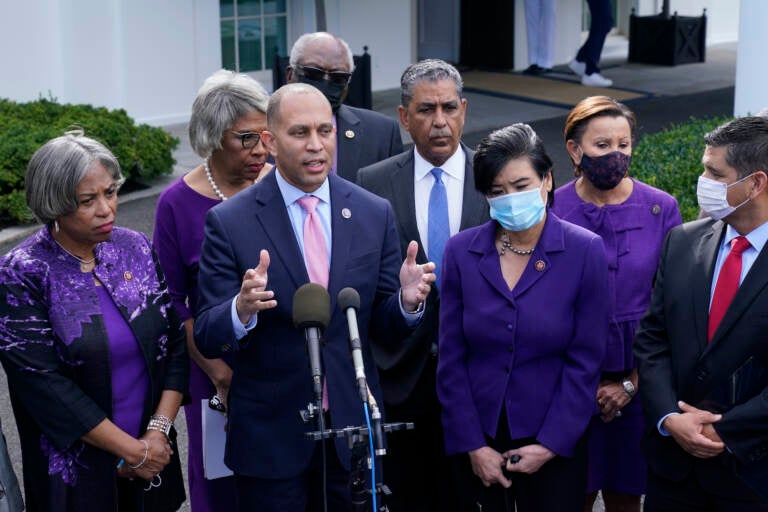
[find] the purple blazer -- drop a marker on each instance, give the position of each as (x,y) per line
(536,350)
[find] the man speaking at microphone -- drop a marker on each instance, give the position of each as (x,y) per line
(297,225)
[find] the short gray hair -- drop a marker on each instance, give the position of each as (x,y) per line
(431,70)
(303,44)
(58,167)
(224,97)
(273,110)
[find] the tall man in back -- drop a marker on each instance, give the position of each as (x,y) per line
(432,190)
(702,347)
(297,225)
(363,136)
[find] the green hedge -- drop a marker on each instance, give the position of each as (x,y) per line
(144,152)
(671,160)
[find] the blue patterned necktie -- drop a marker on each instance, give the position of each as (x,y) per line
(438,230)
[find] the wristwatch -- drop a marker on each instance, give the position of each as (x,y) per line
(629,388)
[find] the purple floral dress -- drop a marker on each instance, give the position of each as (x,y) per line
(55,351)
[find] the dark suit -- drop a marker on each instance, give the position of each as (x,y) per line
(364,137)
(408,369)
(271,380)
(728,375)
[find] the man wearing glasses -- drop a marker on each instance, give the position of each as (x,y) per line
(363,137)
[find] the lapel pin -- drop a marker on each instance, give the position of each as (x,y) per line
(349,134)
(540,265)
(346,213)
(127,275)
(656,209)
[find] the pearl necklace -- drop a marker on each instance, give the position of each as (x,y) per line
(85,265)
(506,244)
(215,187)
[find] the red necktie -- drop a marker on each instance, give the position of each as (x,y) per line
(727,284)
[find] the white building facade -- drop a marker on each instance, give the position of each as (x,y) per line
(150,56)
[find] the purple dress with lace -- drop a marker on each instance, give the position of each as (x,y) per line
(56,351)
(178,239)
(633,233)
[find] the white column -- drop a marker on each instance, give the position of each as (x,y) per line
(751,72)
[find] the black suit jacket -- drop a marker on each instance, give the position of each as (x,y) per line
(728,375)
(402,364)
(364,137)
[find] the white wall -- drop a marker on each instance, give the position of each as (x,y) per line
(30,60)
(384,26)
(145,56)
(751,74)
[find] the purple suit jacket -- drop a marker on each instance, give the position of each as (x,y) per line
(536,350)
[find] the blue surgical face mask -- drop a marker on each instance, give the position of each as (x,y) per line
(518,211)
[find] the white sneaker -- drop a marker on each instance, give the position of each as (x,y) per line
(580,68)
(596,80)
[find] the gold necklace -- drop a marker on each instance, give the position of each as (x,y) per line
(506,244)
(85,265)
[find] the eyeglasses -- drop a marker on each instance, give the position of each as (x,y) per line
(317,74)
(248,139)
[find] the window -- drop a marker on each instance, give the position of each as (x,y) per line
(251,32)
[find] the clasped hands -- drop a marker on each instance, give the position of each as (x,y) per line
(611,399)
(158,455)
(693,429)
(489,465)
(415,283)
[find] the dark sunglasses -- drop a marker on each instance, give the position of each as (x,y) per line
(248,139)
(316,74)
(216,404)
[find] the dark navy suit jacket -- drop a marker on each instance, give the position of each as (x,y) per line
(536,350)
(271,380)
(401,365)
(364,137)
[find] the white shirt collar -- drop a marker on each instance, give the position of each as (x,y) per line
(291,194)
(454,166)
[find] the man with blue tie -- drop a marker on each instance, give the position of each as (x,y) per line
(702,347)
(432,190)
(299,224)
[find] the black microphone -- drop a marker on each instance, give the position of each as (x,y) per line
(312,312)
(349,303)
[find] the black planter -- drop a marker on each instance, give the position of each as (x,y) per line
(667,40)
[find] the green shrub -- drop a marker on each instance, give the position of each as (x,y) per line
(144,152)
(671,160)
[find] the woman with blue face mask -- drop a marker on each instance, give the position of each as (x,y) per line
(633,219)
(523,323)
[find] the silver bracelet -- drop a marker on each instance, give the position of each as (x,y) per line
(160,423)
(143,460)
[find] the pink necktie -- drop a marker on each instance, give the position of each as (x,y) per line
(316,255)
(315,250)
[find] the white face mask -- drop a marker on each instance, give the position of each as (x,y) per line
(713,197)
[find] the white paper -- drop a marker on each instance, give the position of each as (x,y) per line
(214,440)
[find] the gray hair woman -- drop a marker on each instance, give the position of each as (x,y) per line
(95,356)
(228,116)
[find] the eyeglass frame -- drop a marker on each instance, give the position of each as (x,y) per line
(345,75)
(243,135)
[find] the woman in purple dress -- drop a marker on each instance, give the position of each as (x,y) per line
(633,219)
(94,351)
(228,116)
